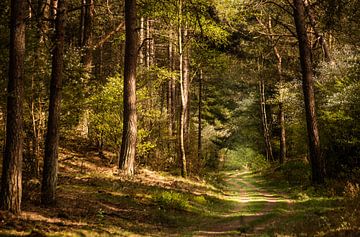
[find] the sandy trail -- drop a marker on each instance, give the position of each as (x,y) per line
(253,211)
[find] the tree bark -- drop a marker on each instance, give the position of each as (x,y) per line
(171,88)
(37,92)
(265,125)
(11,186)
(200,117)
(282,132)
(128,145)
(183,94)
(281,108)
(186,94)
(317,161)
(281,116)
(82,23)
(88,36)
(50,169)
(142,38)
(148,44)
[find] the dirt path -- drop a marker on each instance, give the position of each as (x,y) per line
(254,210)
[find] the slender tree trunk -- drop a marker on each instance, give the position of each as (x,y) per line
(265,125)
(172,99)
(148,44)
(50,170)
(35,149)
(186,94)
(282,133)
(142,38)
(173,91)
(281,117)
(200,117)
(88,36)
(128,145)
(317,161)
(281,108)
(87,15)
(36,106)
(82,23)
(183,95)
(151,43)
(11,186)
(170,92)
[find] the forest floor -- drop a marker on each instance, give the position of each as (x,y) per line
(93,200)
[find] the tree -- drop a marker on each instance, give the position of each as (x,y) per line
(265,123)
(11,179)
(317,161)
(184,90)
(50,169)
(86,43)
(281,115)
(200,98)
(128,145)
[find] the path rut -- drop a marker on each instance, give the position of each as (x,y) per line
(254,211)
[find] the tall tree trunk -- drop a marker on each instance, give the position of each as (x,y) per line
(82,23)
(183,95)
(265,125)
(128,145)
(142,38)
(151,42)
(170,98)
(148,44)
(282,132)
(87,15)
(88,37)
(35,132)
(317,161)
(281,108)
(200,117)
(36,105)
(11,186)
(281,116)
(50,170)
(186,94)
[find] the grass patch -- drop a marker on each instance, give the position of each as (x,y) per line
(171,200)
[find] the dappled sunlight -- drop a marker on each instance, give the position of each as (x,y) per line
(38,217)
(101,202)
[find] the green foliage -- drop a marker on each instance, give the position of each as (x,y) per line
(342,18)
(245,157)
(106,108)
(106,116)
(171,200)
(74,93)
(339,114)
(296,172)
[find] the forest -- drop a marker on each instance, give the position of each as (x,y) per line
(180,118)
